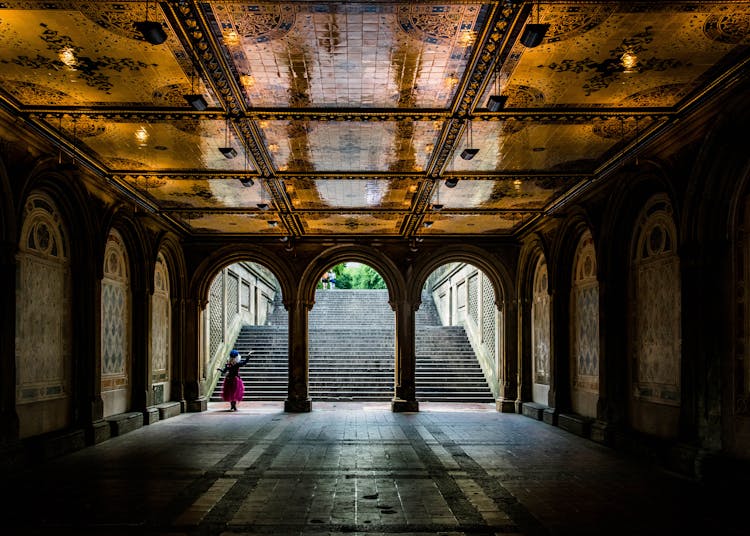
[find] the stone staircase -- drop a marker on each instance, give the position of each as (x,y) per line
(351,349)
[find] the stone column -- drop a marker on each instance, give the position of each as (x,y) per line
(8,417)
(405,398)
(177,367)
(141,353)
(508,388)
(192,371)
(298,397)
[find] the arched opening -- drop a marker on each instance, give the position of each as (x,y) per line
(458,337)
(351,336)
(245,313)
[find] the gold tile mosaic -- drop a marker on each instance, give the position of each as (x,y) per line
(350,113)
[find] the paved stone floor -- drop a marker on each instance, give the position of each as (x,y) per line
(355,468)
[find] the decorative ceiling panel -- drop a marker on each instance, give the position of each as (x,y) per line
(351,55)
(502,194)
(266,223)
(624,53)
(183,143)
(224,193)
(350,146)
(89,53)
(352,114)
(455,223)
(341,223)
(519,146)
(391,194)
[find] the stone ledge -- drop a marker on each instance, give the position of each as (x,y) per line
(549,416)
(150,415)
(123,423)
(55,444)
(169,409)
(533,410)
(574,423)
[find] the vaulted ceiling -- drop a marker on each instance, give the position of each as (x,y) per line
(348,117)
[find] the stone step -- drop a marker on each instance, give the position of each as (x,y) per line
(349,363)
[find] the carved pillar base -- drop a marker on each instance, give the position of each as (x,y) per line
(505,405)
(298,406)
(197,405)
(402,406)
(98,432)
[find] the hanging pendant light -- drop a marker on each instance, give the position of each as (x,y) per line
(496,102)
(262,205)
(194,99)
(227,151)
(152,31)
(470,152)
(533,34)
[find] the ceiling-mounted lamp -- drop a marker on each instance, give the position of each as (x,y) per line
(469,152)
(533,34)
(427,224)
(262,205)
(228,152)
(496,102)
(451,182)
(247,181)
(152,31)
(195,100)
(437,206)
(273,223)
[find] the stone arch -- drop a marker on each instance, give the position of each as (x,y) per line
(619,219)
(655,314)
(200,282)
(366,255)
(74,202)
(531,254)
(564,253)
(493,267)
(7,208)
(714,227)
(541,335)
(141,258)
(119,336)
(45,388)
(168,245)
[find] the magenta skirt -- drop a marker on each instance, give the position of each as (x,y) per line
(233,389)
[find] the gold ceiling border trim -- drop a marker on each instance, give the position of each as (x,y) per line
(487,55)
(351,176)
(317,114)
(292,223)
(251,140)
(520,114)
(191,20)
(135,176)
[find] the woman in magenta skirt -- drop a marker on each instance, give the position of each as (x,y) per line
(233,389)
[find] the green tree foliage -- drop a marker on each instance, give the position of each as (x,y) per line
(356,276)
(364,277)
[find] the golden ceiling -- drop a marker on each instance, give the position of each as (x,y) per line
(348,117)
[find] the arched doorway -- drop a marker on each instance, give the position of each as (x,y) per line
(458,336)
